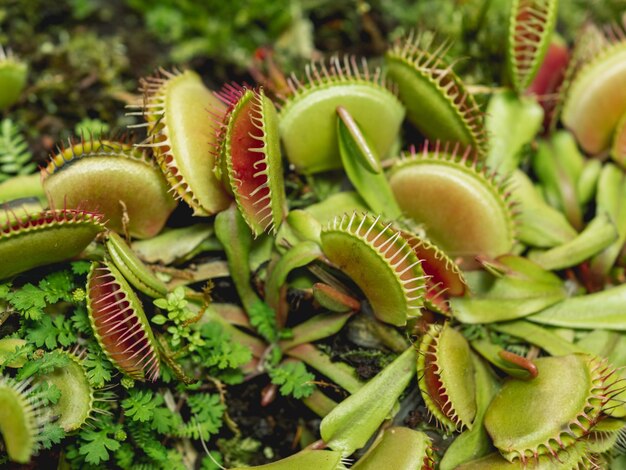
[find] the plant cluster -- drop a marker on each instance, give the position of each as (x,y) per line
(429,273)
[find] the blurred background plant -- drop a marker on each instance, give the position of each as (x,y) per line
(85,56)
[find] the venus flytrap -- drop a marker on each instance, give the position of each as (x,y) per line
(448,260)
(436,99)
(177,108)
(248,158)
(465,209)
(444,280)
(399,448)
(121,182)
(120,324)
(132,268)
(69,231)
(307,120)
(75,405)
(594,83)
(530,29)
(393,281)
(23,416)
(585,394)
(446,377)
(474,443)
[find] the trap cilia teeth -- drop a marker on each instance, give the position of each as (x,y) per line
(463,206)
(595,99)
(47,237)
(570,398)
(22,418)
(120,324)
(436,100)
(177,108)
(75,406)
(380,261)
(308,115)
(446,377)
(111,177)
(248,158)
(417,231)
(531,26)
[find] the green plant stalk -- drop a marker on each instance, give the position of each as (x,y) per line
(340,373)
(319,327)
(597,236)
(236,238)
(297,256)
(603,309)
(350,425)
(474,443)
(539,336)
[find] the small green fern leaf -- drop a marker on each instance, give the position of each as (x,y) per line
(15,157)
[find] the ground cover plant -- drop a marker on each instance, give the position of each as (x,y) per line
(405,255)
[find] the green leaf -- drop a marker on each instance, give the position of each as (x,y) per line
(604,309)
(139,406)
(80,320)
(212,462)
(293,379)
(263,318)
(351,423)
(29,301)
(5,289)
(14,152)
(81,268)
(207,410)
(124,455)
(163,420)
(57,286)
(363,168)
(98,368)
(158,319)
(43,365)
(51,332)
(219,350)
(97,446)
(50,434)
(47,392)
(597,235)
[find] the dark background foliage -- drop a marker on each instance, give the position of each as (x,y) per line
(85,56)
